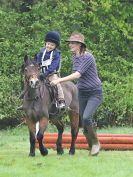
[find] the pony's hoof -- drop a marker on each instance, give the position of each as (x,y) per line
(31,154)
(60,152)
(71,151)
(44,152)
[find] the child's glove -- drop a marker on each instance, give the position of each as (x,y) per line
(42,76)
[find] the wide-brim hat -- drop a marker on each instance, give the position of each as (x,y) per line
(77,37)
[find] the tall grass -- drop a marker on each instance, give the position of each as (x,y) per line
(14,160)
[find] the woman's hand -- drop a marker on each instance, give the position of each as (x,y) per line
(55,82)
(70,77)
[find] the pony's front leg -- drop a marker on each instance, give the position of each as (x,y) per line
(42,127)
(60,127)
(31,127)
(74,118)
(32,144)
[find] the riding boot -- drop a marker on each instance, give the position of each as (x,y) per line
(20,107)
(88,139)
(93,141)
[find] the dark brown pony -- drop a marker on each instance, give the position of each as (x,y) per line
(37,105)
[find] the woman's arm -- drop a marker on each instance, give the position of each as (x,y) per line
(70,77)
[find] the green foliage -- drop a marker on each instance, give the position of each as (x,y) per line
(14,148)
(107,27)
(8,96)
(117,103)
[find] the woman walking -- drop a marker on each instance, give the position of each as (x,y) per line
(89,87)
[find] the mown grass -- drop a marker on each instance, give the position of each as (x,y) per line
(14,160)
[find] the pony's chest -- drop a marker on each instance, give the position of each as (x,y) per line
(35,110)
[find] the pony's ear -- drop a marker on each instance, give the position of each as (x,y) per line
(25,58)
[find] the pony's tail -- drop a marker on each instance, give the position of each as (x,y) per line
(80,122)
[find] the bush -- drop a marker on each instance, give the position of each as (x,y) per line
(107,27)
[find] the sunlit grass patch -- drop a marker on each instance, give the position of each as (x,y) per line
(15,162)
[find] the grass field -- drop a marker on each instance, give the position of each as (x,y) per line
(14,160)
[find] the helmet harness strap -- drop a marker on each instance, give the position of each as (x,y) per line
(46,63)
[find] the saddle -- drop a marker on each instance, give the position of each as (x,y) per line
(53,92)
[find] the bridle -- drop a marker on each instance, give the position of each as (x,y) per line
(32,80)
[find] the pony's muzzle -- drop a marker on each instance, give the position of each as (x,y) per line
(33,82)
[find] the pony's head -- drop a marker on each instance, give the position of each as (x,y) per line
(31,70)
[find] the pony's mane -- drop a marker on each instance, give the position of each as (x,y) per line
(31,62)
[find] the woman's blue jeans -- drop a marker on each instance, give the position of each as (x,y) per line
(89,100)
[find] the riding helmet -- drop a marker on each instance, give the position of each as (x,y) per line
(53,36)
